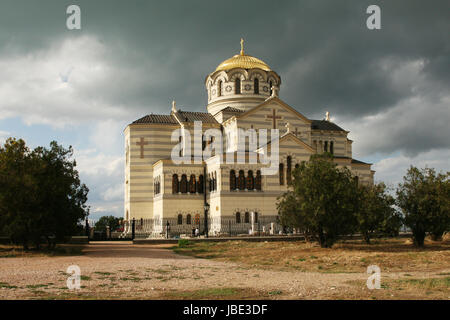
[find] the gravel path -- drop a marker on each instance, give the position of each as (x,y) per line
(123,270)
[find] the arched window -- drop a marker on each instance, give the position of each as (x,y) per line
(247,217)
(219,88)
(188,219)
(157,186)
(232,180)
(258,180)
(175,184)
(180,219)
(241,180)
(281,173)
(325,146)
(180,138)
(270,86)
(192,184)
(297,166)
(250,183)
(256,217)
(183,184)
(200,184)
(238,217)
(289,170)
(215,181)
(256,86)
(332,147)
(237,86)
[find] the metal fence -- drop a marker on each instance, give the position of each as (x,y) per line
(216,226)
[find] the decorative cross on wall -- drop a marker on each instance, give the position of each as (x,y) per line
(296,132)
(142,144)
(274,118)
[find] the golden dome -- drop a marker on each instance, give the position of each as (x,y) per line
(243,61)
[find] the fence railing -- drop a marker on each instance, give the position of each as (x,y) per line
(216,226)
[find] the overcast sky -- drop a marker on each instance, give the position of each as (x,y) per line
(389,87)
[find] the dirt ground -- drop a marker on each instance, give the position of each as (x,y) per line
(232,270)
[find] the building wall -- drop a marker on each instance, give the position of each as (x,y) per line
(139,171)
(140,201)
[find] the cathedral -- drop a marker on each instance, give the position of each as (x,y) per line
(243,94)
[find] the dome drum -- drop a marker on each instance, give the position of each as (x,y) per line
(241,82)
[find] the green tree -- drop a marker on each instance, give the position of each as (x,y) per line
(41,196)
(322,201)
(375,213)
(111,221)
(424,199)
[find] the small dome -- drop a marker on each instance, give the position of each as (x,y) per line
(243,61)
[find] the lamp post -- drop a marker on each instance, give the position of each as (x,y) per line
(206,207)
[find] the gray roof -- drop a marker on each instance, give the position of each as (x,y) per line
(352,160)
(325,125)
(231,109)
(188,116)
(183,116)
(157,118)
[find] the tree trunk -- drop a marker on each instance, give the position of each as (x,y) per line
(366,237)
(322,240)
(419,238)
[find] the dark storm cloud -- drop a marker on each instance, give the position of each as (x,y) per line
(327,58)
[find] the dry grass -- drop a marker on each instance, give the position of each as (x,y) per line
(406,272)
(393,255)
(273,270)
(216,294)
(14,251)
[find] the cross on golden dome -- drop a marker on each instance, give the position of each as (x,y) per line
(243,61)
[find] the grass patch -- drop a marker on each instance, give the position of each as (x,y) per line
(134,279)
(212,293)
(183,243)
(275,293)
(160,271)
(433,283)
(35,286)
(103,273)
(7,286)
